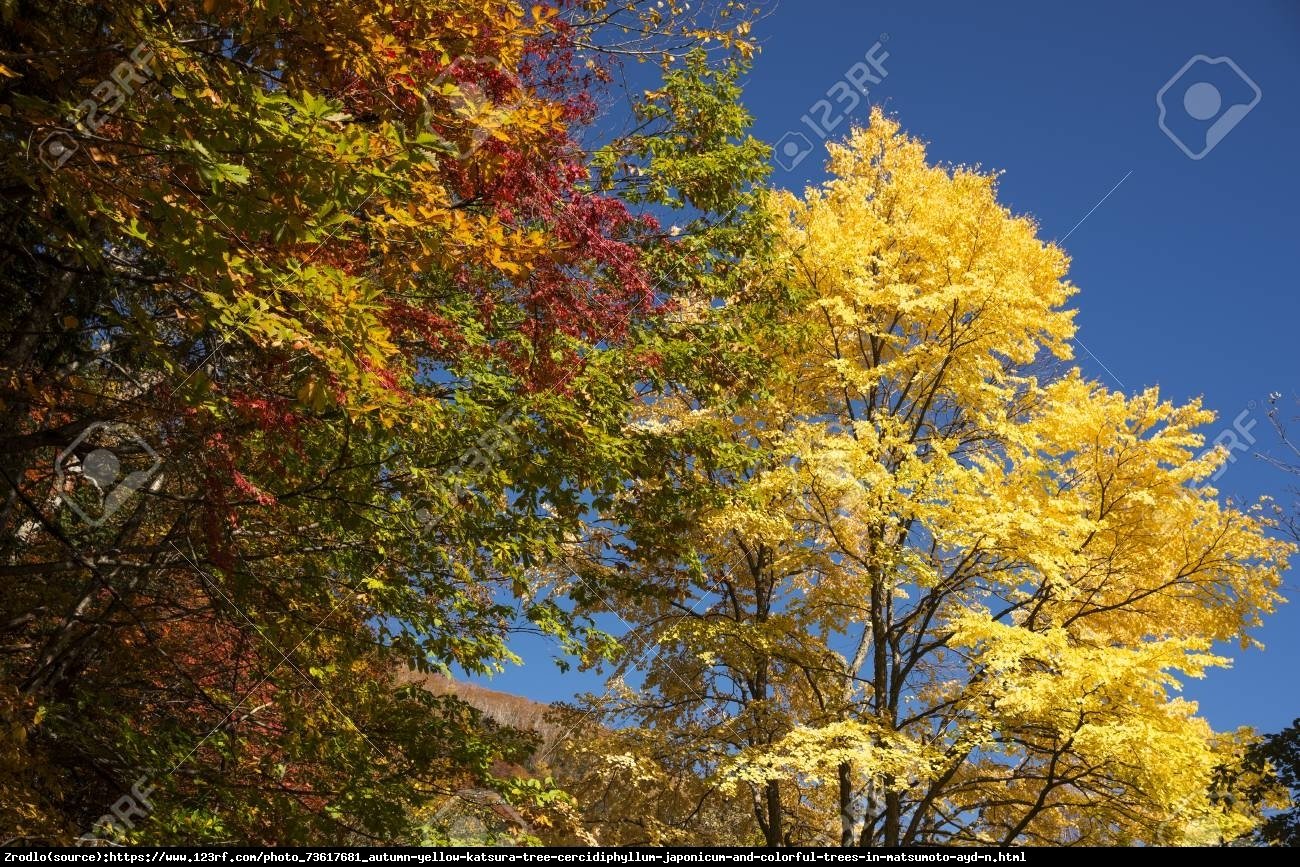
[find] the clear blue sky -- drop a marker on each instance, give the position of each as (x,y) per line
(1187,269)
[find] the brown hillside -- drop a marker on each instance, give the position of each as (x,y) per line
(502,707)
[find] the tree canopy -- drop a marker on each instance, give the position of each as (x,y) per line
(319,328)
(933,587)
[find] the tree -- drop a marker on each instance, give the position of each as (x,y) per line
(1258,777)
(1281,424)
(923,585)
(332,288)
(1280,754)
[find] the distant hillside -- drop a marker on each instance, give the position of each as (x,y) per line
(503,707)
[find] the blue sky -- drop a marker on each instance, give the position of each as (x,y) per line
(1186,266)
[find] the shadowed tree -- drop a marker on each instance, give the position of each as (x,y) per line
(317,335)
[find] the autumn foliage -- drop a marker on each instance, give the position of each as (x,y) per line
(932,587)
(332,288)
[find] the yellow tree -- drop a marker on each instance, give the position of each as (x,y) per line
(934,586)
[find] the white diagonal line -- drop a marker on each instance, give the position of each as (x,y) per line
(284,657)
(1062,241)
(258,685)
(1095,207)
(1099,361)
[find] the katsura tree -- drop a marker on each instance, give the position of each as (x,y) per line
(928,584)
(319,331)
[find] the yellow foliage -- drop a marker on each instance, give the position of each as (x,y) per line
(958,585)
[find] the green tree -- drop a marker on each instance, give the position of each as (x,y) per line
(332,288)
(1280,753)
